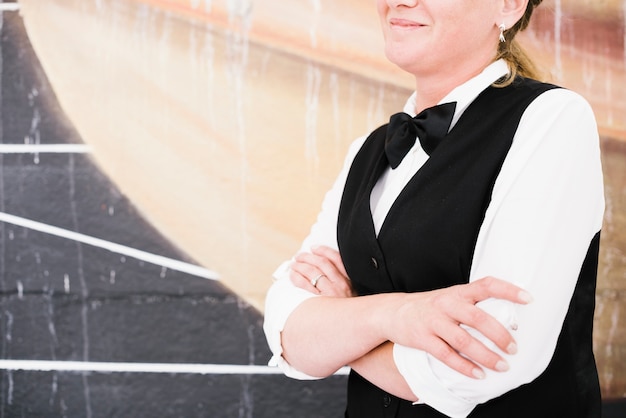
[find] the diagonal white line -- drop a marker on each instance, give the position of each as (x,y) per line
(118,367)
(110,246)
(44,148)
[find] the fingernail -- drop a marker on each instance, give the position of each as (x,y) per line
(478,374)
(502,366)
(512,348)
(524,296)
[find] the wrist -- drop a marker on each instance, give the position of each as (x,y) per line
(383,315)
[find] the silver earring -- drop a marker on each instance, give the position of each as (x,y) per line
(502,29)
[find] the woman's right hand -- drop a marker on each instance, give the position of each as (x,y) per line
(321,272)
(431,321)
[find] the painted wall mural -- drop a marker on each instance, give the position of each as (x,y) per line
(225,121)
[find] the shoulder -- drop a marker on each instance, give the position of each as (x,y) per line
(560,119)
(550,95)
(561,103)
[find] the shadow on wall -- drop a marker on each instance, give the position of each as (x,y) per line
(237,130)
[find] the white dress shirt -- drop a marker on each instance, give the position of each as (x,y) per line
(546,206)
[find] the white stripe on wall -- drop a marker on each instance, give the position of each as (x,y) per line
(115,367)
(44,149)
(110,246)
(9,7)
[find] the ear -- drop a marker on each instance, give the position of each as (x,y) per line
(511,12)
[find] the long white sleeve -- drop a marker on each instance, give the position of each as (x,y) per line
(547,205)
(283,297)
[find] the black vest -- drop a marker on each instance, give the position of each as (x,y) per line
(427,242)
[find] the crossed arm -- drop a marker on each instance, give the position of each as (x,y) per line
(328,332)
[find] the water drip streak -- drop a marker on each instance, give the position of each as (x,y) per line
(192,54)
(314,82)
(209,53)
(335,94)
(558,16)
(238,45)
(83,286)
(317,8)
(240,15)
(6,382)
(49,298)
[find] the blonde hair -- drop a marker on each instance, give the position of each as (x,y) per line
(520,64)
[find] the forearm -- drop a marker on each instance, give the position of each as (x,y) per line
(379,367)
(321,334)
(324,334)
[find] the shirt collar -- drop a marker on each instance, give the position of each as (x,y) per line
(465,94)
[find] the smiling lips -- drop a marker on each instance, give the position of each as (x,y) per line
(403,23)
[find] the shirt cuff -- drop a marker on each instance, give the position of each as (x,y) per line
(443,388)
(281,300)
(415,366)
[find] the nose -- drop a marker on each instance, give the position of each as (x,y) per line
(402,3)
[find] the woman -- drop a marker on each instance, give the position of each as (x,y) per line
(436,246)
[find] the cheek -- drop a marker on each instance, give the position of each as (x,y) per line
(467,30)
(381,8)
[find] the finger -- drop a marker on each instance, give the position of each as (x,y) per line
(490,287)
(474,317)
(300,273)
(325,287)
(334,289)
(334,283)
(443,352)
(313,278)
(486,324)
(302,282)
(464,343)
(304,266)
(322,264)
(460,310)
(332,255)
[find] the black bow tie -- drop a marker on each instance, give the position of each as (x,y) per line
(430,126)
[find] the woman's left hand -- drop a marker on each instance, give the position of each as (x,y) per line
(321,272)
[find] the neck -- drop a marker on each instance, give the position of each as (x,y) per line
(432,87)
